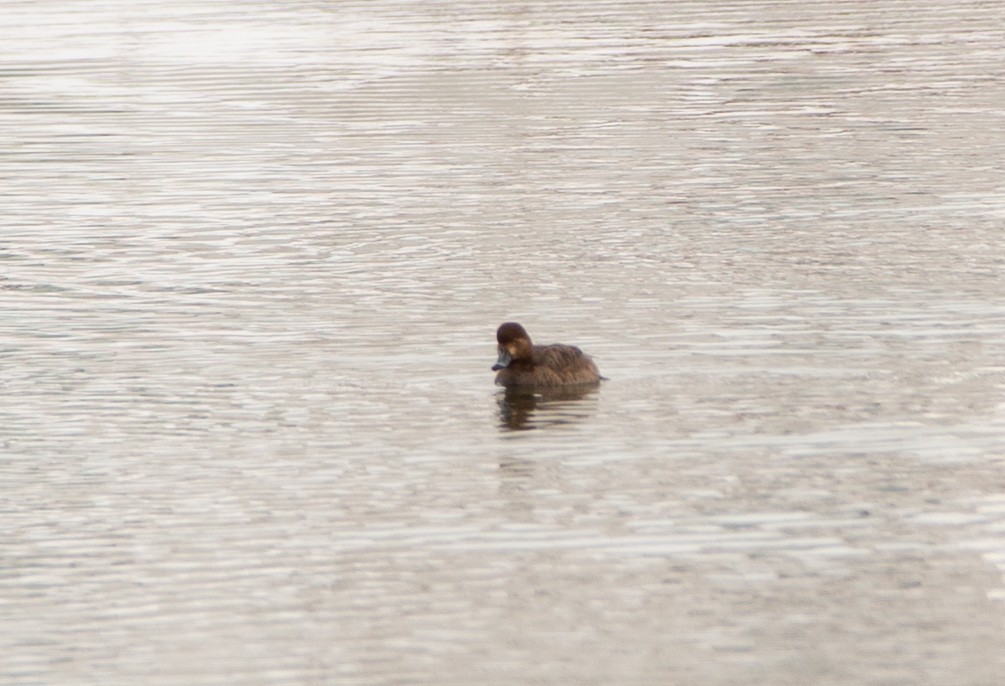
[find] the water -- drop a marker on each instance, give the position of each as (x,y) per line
(252,258)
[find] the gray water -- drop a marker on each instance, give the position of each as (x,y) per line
(252,259)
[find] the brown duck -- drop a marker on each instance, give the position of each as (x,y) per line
(521,363)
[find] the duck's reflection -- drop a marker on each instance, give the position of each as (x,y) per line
(535,407)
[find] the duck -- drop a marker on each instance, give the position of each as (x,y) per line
(521,363)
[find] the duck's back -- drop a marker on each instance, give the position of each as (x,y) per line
(569,364)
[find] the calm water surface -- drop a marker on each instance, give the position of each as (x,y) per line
(252,258)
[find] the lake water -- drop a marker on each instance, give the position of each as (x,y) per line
(252,260)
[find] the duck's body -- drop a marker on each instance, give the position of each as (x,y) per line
(521,363)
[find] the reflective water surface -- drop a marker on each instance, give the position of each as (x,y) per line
(252,259)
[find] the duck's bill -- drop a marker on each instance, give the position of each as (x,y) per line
(503,361)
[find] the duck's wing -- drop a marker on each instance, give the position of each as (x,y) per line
(558,356)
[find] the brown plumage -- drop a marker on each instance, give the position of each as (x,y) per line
(521,363)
